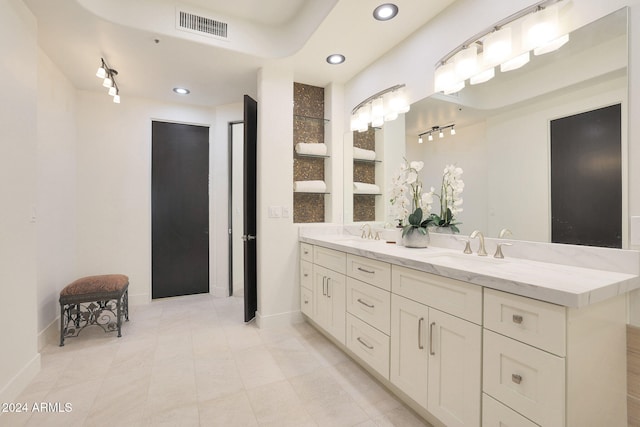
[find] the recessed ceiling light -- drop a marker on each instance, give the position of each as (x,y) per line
(385,12)
(181,91)
(335,59)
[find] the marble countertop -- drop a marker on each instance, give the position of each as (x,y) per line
(565,285)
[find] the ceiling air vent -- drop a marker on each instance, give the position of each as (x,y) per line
(202,25)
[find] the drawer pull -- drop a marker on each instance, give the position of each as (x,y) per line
(328,295)
(306,274)
(517,319)
(431,352)
(364,343)
(420,321)
(516,378)
(324,285)
(365,304)
(365,270)
(306,252)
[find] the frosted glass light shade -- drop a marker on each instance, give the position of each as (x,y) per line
(515,63)
(497,47)
(466,62)
(116,99)
(552,45)
(540,28)
(101,73)
(107,82)
(444,77)
(113,91)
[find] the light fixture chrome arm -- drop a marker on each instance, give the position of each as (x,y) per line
(534,7)
(377,95)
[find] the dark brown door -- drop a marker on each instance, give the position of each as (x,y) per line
(179,209)
(586,178)
(250,206)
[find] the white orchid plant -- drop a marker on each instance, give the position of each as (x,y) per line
(412,207)
(450,198)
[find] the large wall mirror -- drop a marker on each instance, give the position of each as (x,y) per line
(502,139)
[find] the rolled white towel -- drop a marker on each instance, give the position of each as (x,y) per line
(362,154)
(309,187)
(364,188)
(317,149)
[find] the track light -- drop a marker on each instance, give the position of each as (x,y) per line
(436,129)
(108,76)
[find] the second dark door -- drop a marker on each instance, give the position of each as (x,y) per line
(180,209)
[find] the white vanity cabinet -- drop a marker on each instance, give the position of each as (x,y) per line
(322,288)
(462,354)
(553,365)
(436,356)
(368,311)
(329,291)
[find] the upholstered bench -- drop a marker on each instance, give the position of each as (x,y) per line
(94,300)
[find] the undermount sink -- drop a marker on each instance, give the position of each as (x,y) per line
(353,239)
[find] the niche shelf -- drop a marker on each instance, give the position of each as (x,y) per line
(364,170)
(309,127)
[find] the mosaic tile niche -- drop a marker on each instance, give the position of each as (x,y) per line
(364,205)
(308,127)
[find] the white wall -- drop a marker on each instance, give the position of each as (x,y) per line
(114,187)
(56,211)
(278,293)
(19,359)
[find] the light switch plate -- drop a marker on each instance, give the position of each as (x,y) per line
(275,211)
(635,230)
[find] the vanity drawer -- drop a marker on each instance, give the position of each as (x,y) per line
(328,258)
(369,344)
(306,252)
(306,274)
(376,273)
(495,414)
(528,380)
(306,302)
(369,304)
(452,296)
(534,322)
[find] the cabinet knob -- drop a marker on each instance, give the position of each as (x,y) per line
(516,378)
(517,319)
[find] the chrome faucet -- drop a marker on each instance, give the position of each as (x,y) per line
(365,234)
(499,245)
(481,250)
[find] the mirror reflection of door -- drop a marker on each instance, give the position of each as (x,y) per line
(236,209)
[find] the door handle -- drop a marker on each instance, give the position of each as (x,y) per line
(420,321)
(431,352)
(247,237)
(324,284)
(328,295)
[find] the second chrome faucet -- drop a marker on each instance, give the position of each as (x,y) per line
(481,250)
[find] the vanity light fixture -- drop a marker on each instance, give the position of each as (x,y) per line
(436,129)
(335,59)
(385,12)
(507,44)
(382,107)
(108,76)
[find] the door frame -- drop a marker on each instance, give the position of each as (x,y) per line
(230,200)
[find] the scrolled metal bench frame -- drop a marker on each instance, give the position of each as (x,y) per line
(104,309)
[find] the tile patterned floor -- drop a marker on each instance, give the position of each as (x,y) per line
(191,361)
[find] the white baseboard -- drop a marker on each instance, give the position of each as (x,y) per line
(139,299)
(19,382)
(50,334)
(278,320)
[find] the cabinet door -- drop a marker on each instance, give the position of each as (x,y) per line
(409,349)
(455,363)
(329,301)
